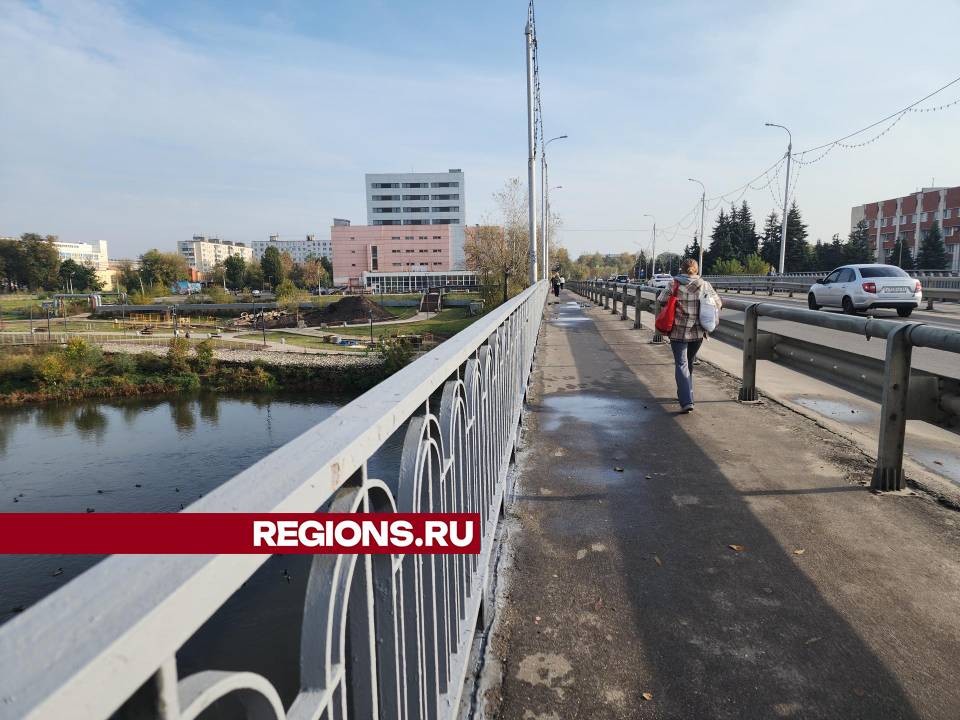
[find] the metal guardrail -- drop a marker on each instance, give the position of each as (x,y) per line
(8,339)
(901,338)
(408,621)
(940,288)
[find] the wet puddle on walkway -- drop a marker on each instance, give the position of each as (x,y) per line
(605,412)
(568,314)
(839,410)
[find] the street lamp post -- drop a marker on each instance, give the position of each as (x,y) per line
(653,250)
(786,198)
(531,157)
(544,199)
(703,210)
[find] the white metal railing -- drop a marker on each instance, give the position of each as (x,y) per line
(83,651)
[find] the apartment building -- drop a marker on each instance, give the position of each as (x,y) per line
(84,253)
(389,248)
(909,217)
(300,249)
(419,199)
(202,253)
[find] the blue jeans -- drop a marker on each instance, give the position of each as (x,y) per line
(683,356)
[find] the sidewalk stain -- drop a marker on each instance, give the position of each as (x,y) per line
(836,409)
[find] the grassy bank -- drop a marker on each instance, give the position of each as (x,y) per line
(444,324)
(83,371)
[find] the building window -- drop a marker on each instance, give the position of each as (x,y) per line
(408,251)
(437,250)
(438,263)
(438,237)
(445,197)
(386,197)
(384,186)
(397,264)
(923,217)
(395,250)
(424,251)
(445,184)
(408,237)
(386,209)
(415,185)
(416,209)
(416,197)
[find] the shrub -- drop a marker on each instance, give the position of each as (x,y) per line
(203,356)
(123,364)
(18,366)
(727,267)
(81,356)
(53,369)
(395,353)
(178,355)
(185,381)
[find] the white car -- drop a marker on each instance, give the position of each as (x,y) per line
(857,288)
(662,280)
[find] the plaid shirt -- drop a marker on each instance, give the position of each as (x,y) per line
(686,325)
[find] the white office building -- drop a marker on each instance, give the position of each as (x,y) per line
(84,253)
(420,199)
(202,253)
(300,249)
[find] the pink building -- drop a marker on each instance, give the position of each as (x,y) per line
(388,248)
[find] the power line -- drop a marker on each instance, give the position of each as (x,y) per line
(892,115)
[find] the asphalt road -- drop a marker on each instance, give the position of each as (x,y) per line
(936,361)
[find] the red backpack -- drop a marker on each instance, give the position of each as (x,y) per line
(668,313)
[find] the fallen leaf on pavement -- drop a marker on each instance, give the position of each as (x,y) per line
(737,548)
(647,696)
(618,469)
(657,560)
(812,640)
(799,551)
(598,604)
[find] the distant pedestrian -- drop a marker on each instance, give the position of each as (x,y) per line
(687,334)
(555,281)
(562,281)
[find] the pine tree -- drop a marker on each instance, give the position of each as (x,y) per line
(798,250)
(721,245)
(770,241)
(692,250)
(745,241)
(932,254)
(858,248)
(901,256)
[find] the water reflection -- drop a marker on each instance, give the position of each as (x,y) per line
(154,455)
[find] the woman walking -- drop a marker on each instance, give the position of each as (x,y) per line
(555,281)
(687,334)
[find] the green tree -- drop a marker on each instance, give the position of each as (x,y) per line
(858,248)
(162,268)
(901,256)
(731,266)
(770,240)
(721,241)
(328,266)
(272,266)
(253,277)
(217,275)
(36,262)
(932,254)
(79,277)
(798,250)
(235,267)
(753,264)
(745,240)
(693,249)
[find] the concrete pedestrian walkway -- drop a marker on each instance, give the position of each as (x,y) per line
(729,563)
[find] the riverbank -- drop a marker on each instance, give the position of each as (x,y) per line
(82,371)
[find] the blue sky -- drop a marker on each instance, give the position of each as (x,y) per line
(143,123)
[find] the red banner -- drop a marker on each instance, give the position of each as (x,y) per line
(238,533)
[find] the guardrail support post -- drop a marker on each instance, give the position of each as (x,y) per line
(614,309)
(748,388)
(623,307)
(888,474)
(606,298)
(637,323)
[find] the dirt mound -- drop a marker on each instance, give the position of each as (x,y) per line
(350,309)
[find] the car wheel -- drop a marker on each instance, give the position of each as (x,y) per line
(904,312)
(848,307)
(812,302)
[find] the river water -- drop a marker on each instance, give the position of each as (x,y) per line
(159,455)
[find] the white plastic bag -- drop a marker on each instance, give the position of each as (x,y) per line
(709,312)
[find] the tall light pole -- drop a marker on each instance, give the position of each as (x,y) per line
(703,211)
(786,198)
(531,157)
(653,250)
(544,199)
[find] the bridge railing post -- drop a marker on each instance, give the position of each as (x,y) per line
(606,298)
(888,474)
(748,388)
(637,300)
(623,304)
(613,290)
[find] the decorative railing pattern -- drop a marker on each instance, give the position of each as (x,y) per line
(382,636)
